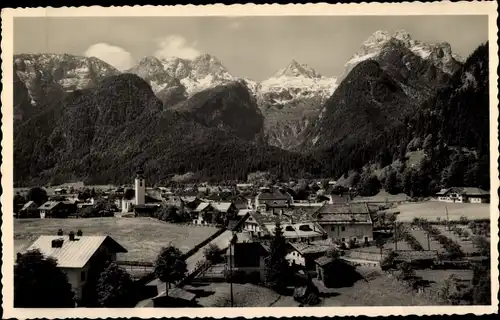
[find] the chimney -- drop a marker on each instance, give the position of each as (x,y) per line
(57,243)
(71,236)
(79,233)
(60,232)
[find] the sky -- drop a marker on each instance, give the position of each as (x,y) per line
(250,47)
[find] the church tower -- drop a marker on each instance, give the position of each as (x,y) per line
(140,187)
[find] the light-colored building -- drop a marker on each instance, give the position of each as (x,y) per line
(463,195)
(346,221)
(77,255)
(269,200)
(140,188)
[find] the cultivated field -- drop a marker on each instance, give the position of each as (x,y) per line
(432,210)
(142,237)
(466,245)
(421,236)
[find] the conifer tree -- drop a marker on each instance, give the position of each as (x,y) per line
(277,267)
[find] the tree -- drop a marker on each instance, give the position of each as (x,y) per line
(39,283)
(38,195)
(380,243)
(115,288)
(277,267)
(170,265)
(481,282)
(369,184)
(391,183)
(332,252)
(212,253)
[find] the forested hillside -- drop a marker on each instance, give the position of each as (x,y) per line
(451,130)
(101,135)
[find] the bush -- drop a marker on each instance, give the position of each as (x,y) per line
(388,262)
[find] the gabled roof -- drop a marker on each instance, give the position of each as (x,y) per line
(218,206)
(221,206)
(323,261)
(273,196)
(74,254)
(28,204)
(344,213)
(306,248)
(443,192)
(202,206)
(468,191)
(49,205)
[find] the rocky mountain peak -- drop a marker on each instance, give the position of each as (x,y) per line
(295,69)
(206,64)
(402,35)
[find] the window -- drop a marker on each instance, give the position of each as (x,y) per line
(343,239)
(82,276)
(140,183)
(342,228)
(333,228)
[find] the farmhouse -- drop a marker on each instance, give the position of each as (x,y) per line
(78,256)
(30,209)
(304,254)
(56,209)
(346,221)
(213,212)
(268,200)
(463,195)
(297,227)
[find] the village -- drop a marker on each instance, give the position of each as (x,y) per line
(390,249)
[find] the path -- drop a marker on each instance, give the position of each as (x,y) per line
(222,241)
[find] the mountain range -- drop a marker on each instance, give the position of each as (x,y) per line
(294,123)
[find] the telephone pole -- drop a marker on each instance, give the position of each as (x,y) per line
(447,219)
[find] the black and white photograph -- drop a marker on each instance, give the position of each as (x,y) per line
(250,160)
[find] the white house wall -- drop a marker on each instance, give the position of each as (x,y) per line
(351,231)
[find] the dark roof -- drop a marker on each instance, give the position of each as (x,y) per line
(323,261)
(346,213)
(273,196)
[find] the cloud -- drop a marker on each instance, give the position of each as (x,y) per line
(118,57)
(176,46)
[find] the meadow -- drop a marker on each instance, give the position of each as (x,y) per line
(434,210)
(142,237)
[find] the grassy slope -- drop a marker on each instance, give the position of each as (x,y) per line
(142,237)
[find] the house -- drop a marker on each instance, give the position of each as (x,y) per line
(247,259)
(56,209)
(296,227)
(304,254)
(463,195)
(78,256)
(241,202)
(268,199)
(346,221)
(213,212)
(336,272)
(30,209)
